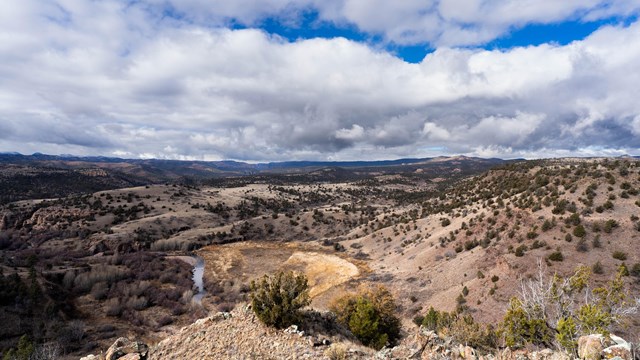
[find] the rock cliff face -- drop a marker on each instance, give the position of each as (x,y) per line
(240,335)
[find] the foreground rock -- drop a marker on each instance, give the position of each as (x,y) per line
(428,345)
(240,335)
(123,349)
(590,346)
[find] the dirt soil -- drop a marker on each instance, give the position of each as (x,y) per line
(328,273)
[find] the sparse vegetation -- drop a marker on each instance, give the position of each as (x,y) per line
(619,255)
(560,309)
(370,315)
(556,256)
(109,254)
(277,299)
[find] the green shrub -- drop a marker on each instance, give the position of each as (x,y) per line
(369,315)
(579,231)
(434,321)
(462,328)
(623,269)
(563,309)
(610,225)
(619,255)
(538,244)
(597,268)
(24,351)
(582,245)
(364,323)
(574,220)
(594,318)
(556,256)
(277,300)
(520,328)
(567,333)
(635,270)
(465,330)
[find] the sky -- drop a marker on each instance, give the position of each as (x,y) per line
(278,80)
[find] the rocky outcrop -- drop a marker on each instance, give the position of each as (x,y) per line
(597,346)
(590,346)
(240,335)
(126,349)
(428,345)
(620,349)
(53,217)
(123,349)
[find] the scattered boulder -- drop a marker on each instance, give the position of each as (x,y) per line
(621,349)
(126,349)
(316,341)
(293,329)
(91,357)
(468,353)
(590,347)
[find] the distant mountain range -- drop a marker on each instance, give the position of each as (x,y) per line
(45,176)
(193,167)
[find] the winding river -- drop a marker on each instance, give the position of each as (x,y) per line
(198,272)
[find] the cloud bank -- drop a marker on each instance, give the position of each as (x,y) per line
(126,79)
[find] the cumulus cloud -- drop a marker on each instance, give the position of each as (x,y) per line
(435,132)
(124,79)
(355,133)
(438,22)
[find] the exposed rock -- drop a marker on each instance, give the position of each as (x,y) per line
(468,353)
(126,349)
(132,357)
(319,341)
(293,329)
(590,346)
(91,357)
(240,335)
(621,349)
(617,351)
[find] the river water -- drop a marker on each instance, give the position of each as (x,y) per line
(198,272)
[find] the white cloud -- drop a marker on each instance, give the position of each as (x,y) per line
(504,131)
(355,133)
(123,80)
(434,132)
(439,22)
